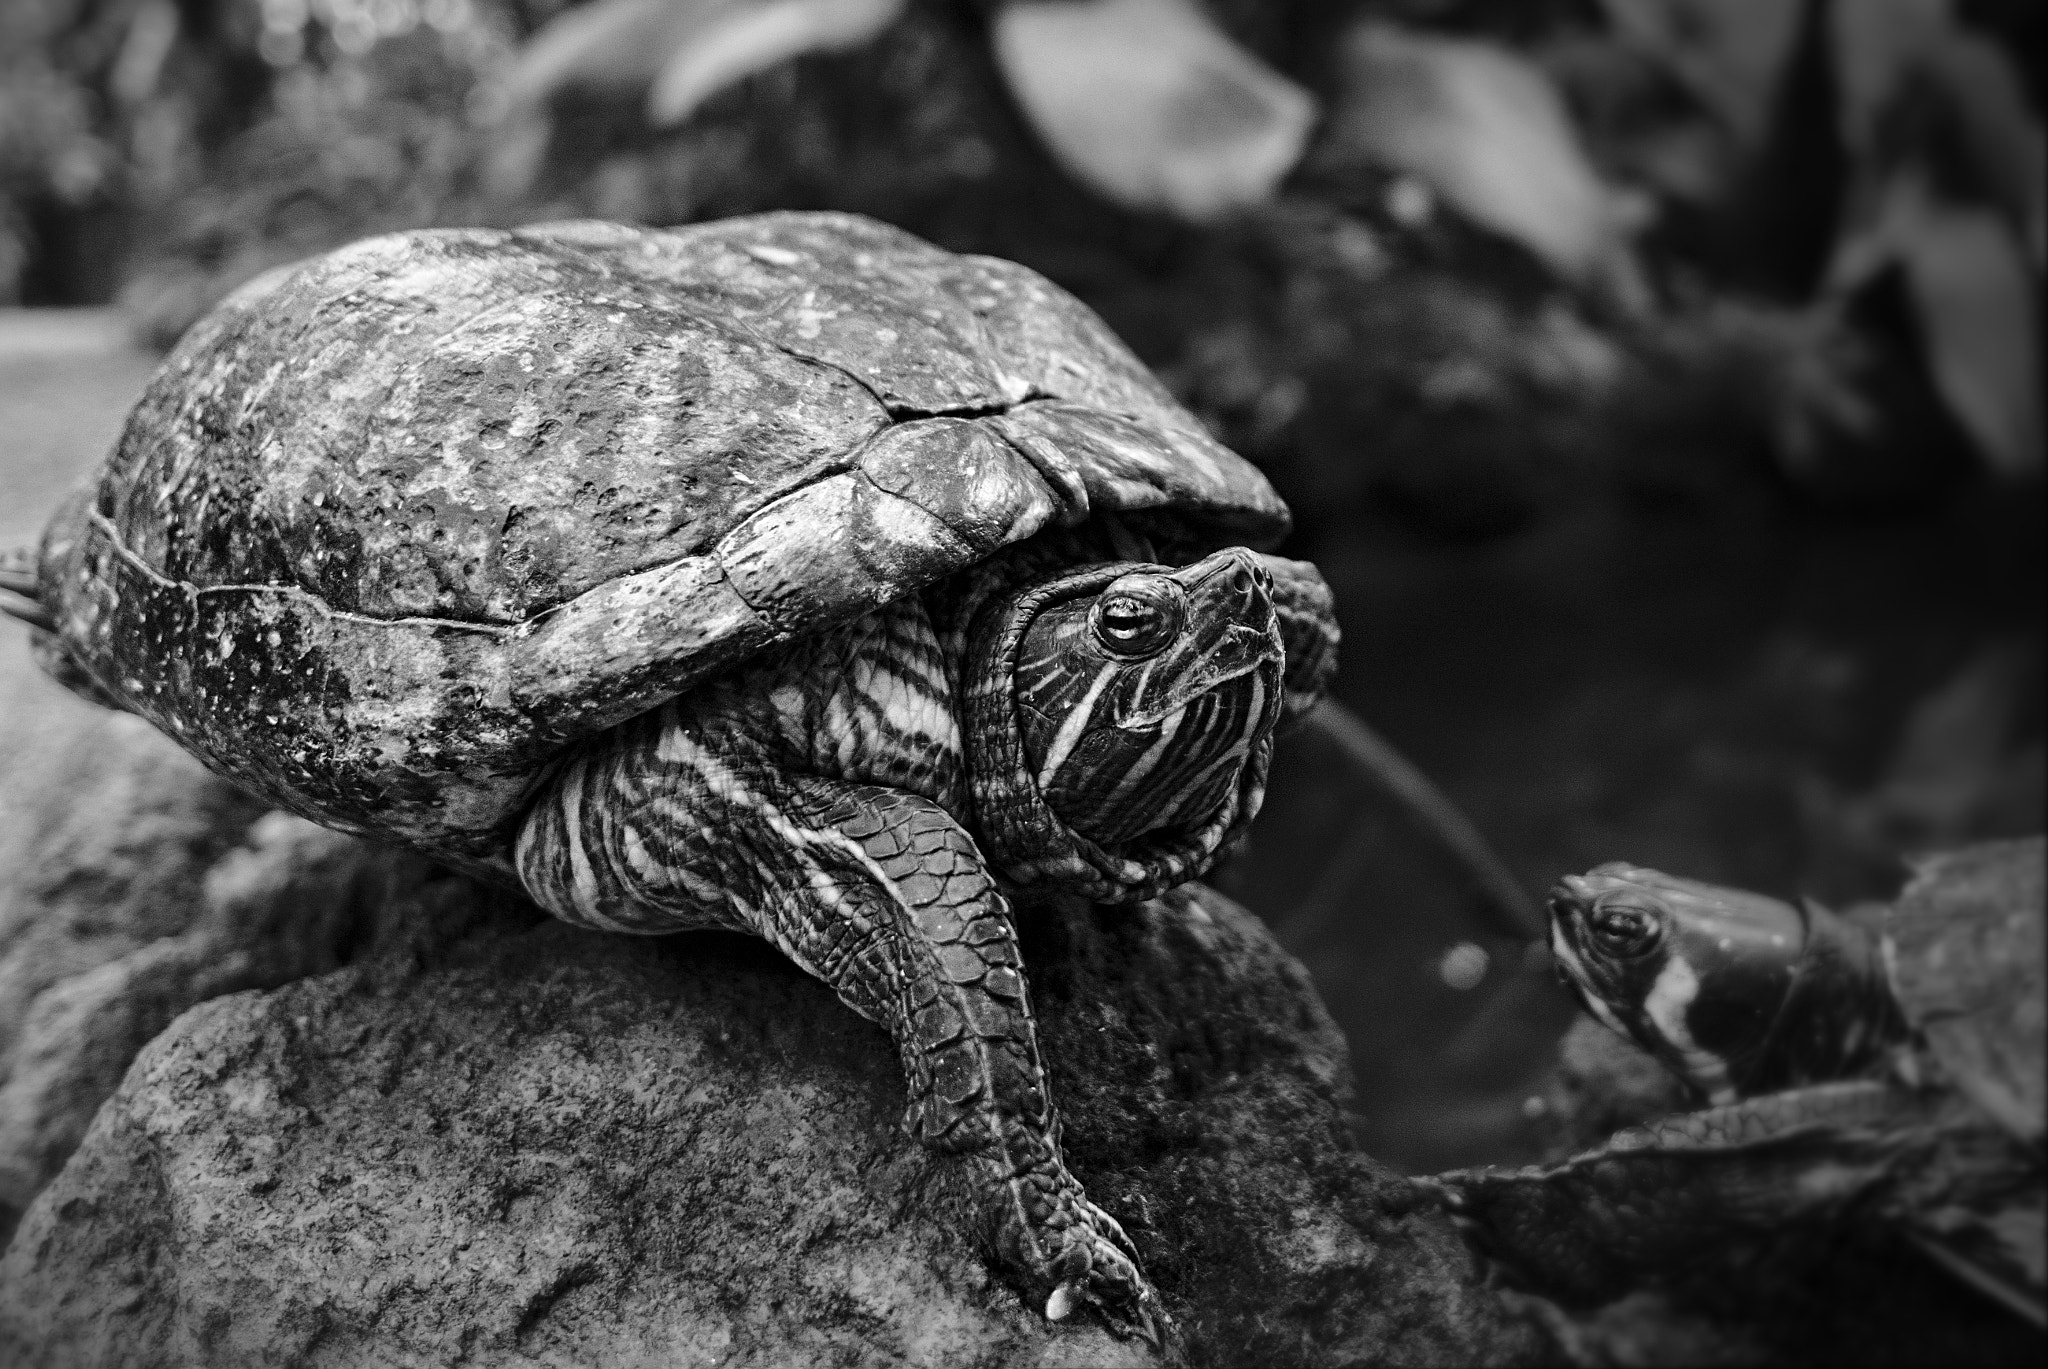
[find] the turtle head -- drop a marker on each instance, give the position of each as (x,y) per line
(1136,710)
(1140,702)
(1740,994)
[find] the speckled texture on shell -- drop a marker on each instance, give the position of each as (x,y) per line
(1966,961)
(392,527)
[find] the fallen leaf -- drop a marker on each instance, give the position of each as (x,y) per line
(1874,43)
(2001,137)
(681,52)
(1961,770)
(1978,309)
(1488,132)
(739,40)
(518,154)
(1150,104)
(1974,115)
(1729,54)
(140,63)
(1977,303)
(610,45)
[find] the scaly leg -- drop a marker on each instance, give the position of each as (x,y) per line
(941,970)
(883,896)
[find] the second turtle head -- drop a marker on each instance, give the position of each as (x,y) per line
(1121,716)
(1140,702)
(1736,992)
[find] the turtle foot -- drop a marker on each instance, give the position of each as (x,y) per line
(1083,1253)
(1131,1315)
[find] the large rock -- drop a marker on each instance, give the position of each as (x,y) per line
(133,885)
(106,834)
(519,1142)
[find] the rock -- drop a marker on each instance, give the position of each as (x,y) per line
(95,887)
(133,884)
(513,1141)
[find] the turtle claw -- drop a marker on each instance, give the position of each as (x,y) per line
(1148,1323)
(1098,1270)
(1143,1319)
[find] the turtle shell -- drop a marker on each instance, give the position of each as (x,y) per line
(393,527)
(1963,946)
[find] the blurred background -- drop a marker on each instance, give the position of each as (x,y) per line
(1656,381)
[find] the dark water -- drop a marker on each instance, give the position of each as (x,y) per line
(1748,691)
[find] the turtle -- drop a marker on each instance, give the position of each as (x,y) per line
(1875,1075)
(784,574)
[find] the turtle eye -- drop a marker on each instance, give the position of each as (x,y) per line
(1137,615)
(1621,929)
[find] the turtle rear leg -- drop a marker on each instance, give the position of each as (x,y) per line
(882,895)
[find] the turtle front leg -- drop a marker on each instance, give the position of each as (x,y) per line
(924,946)
(884,897)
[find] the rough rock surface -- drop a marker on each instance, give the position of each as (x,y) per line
(510,1140)
(133,884)
(98,892)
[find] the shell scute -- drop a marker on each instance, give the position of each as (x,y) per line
(847,293)
(648,635)
(862,548)
(964,474)
(1125,465)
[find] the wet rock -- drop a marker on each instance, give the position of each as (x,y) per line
(515,1141)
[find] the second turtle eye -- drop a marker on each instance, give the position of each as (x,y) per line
(1137,615)
(1622,929)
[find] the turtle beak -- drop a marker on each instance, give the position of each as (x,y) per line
(1569,900)
(1568,904)
(1234,632)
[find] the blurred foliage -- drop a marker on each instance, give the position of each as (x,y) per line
(1827,215)
(1486,129)
(1829,154)
(1152,105)
(182,145)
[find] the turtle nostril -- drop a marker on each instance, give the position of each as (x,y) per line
(1242,582)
